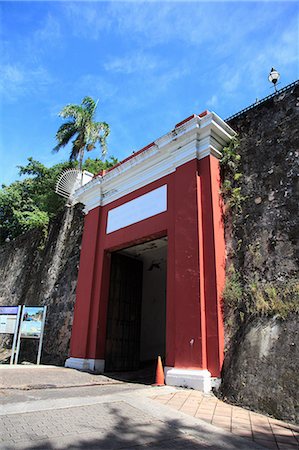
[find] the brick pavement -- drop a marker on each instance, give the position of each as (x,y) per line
(115,425)
(263,430)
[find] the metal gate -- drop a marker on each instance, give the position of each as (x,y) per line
(124,314)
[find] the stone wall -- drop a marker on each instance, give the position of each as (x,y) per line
(261,369)
(39,271)
(262,349)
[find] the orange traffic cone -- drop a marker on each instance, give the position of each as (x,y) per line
(159,373)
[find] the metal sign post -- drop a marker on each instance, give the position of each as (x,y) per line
(41,336)
(12,357)
(19,338)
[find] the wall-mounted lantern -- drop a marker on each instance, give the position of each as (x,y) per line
(274,77)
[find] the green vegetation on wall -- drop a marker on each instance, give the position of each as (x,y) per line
(245,295)
(249,296)
(231,177)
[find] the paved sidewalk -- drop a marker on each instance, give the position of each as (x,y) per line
(270,433)
(50,407)
(44,377)
(128,420)
(103,425)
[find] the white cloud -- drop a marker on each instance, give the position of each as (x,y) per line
(149,22)
(162,81)
(87,19)
(228,30)
(49,32)
(129,64)
(11,74)
(213,101)
(231,80)
(95,85)
(17,81)
(23,69)
(46,36)
(159,23)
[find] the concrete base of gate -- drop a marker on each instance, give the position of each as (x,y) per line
(195,379)
(91,365)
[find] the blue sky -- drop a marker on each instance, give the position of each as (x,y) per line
(150,65)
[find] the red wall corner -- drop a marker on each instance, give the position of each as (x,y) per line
(212,260)
(80,330)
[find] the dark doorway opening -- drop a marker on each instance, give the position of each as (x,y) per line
(136,318)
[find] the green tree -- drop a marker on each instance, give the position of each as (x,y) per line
(42,180)
(18,213)
(32,202)
(82,127)
(96,165)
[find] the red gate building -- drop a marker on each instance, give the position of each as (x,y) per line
(152,265)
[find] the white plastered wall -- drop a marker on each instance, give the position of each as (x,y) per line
(153,313)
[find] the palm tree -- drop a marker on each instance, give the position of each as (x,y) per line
(82,128)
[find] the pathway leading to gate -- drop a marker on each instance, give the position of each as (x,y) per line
(266,431)
(55,408)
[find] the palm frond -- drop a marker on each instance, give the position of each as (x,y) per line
(104,128)
(104,131)
(65,132)
(78,145)
(90,105)
(103,145)
(75,112)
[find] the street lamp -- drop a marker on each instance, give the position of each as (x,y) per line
(274,77)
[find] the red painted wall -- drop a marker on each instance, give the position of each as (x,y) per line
(184,289)
(195,268)
(84,292)
(212,259)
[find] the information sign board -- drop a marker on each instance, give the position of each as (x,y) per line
(32,320)
(9,324)
(8,319)
(32,326)
(9,309)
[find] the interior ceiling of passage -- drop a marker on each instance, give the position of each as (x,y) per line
(139,250)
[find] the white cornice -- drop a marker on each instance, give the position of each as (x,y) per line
(196,138)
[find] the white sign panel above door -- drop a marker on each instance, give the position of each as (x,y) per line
(140,208)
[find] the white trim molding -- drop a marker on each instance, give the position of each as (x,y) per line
(191,378)
(197,137)
(90,365)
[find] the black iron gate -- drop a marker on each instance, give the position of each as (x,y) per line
(124,314)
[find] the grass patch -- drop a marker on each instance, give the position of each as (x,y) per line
(254,298)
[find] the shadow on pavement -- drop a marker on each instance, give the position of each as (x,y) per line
(140,432)
(145,375)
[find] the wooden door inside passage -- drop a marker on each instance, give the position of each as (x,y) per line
(124,314)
